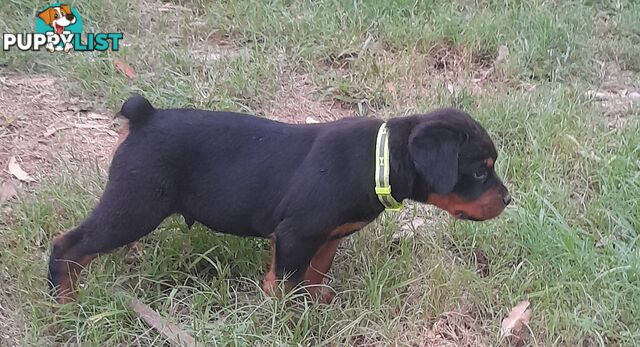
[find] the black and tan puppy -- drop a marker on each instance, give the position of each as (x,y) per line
(303,186)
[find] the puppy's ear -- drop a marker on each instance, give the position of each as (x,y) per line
(47,15)
(66,8)
(434,151)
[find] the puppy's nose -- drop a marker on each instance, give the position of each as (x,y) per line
(69,16)
(506,199)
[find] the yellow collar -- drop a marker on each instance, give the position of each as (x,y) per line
(383,188)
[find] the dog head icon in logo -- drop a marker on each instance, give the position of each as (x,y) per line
(59,29)
(59,19)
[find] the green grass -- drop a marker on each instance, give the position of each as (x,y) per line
(569,243)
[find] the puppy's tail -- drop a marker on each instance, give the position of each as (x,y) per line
(137,110)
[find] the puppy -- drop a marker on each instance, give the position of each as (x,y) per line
(304,187)
(58,17)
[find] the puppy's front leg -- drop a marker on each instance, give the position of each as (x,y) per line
(318,269)
(291,254)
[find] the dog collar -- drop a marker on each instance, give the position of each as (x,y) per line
(383,188)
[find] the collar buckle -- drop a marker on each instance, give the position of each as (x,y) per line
(383,190)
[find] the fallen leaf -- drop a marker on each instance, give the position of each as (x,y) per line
(50,131)
(8,120)
(16,170)
(503,53)
(391,87)
(172,332)
(99,116)
(125,68)
(7,192)
(407,230)
(53,130)
(518,317)
(311,120)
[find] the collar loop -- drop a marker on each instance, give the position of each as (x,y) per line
(383,187)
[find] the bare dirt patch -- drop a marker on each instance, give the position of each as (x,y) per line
(391,82)
(298,99)
(618,96)
(45,131)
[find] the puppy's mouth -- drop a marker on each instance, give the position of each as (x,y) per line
(463,216)
(58,28)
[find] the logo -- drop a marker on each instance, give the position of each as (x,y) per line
(58,28)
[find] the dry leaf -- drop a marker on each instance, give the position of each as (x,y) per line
(16,170)
(125,68)
(53,130)
(407,230)
(503,53)
(311,120)
(94,115)
(518,317)
(391,87)
(7,192)
(8,120)
(171,331)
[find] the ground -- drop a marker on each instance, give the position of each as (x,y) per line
(556,84)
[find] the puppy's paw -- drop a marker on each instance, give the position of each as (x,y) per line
(322,293)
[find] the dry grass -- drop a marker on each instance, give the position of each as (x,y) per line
(618,96)
(46,129)
(568,243)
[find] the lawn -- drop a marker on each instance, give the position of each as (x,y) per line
(555,83)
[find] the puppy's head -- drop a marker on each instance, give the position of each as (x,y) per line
(58,17)
(455,158)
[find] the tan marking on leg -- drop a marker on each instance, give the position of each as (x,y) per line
(318,269)
(269,285)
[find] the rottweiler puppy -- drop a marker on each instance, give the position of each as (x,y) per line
(304,186)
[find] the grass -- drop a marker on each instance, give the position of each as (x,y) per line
(569,243)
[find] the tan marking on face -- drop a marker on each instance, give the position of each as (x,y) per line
(69,270)
(486,206)
(490,162)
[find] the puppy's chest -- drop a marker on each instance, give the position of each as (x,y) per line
(346,229)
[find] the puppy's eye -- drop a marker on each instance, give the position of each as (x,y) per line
(481,173)
(62,13)
(56,16)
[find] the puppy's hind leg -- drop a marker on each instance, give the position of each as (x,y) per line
(126,212)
